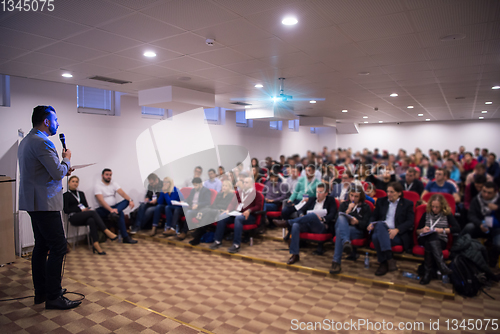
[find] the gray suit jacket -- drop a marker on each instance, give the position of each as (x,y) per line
(40,187)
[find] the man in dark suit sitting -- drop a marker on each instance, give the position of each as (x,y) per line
(395,216)
(199,198)
(311,222)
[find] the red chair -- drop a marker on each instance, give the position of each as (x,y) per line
(370,204)
(185,191)
(320,238)
(412,196)
(367,185)
(449,198)
(259,186)
(379,193)
(419,250)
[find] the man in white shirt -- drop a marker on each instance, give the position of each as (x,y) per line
(197,173)
(213,182)
(105,192)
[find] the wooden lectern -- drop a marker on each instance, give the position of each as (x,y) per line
(7,242)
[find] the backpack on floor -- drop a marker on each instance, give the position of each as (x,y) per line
(466,278)
(208,237)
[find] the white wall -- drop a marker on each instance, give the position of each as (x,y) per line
(111,141)
(436,135)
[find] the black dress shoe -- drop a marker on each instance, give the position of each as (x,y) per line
(294,258)
(281,223)
(41,298)
(129,240)
(61,303)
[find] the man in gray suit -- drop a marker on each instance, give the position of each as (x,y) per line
(41,194)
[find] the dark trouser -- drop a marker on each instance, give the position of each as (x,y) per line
(144,215)
(476,232)
(238,221)
(288,210)
(383,242)
(309,223)
(90,218)
(426,239)
(121,221)
(49,236)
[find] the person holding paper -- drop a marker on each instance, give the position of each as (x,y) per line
(432,231)
(305,186)
(79,214)
(199,198)
(395,217)
(173,212)
(484,219)
(250,201)
(353,219)
(316,216)
(147,208)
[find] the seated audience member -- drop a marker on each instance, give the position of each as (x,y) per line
(199,198)
(484,156)
(292,179)
(432,231)
(395,217)
(218,210)
(363,172)
(411,183)
(222,174)
(274,192)
(173,213)
(213,182)
(341,190)
(492,166)
(401,169)
(382,181)
(146,210)
(249,203)
(427,170)
(452,167)
(105,192)
(305,187)
(447,178)
(480,169)
(350,227)
(435,160)
(316,172)
(257,176)
(79,214)
(441,186)
(484,219)
(461,153)
(311,222)
(472,190)
(188,183)
(468,163)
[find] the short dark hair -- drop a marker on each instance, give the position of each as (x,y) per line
(480,178)
(153,177)
(198,167)
(397,187)
(40,113)
(313,167)
(358,188)
(491,185)
(196,180)
(211,170)
(105,170)
(323,185)
(494,155)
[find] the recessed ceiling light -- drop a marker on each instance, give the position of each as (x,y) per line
(381,121)
(289,21)
(276,99)
(393,95)
(427,119)
(410,107)
(259,86)
(149,54)
(248,106)
(481,117)
(184,78)
(484,112)
(365,122)
(345,110)
(363,73)
(365,116)
(312,101)
(495,87)
(488,102)
(67,75)
(420,115)
(453,37)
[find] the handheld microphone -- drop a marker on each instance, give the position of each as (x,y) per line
(63,140)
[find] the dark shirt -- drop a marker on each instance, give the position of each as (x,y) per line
(71,201)
(154,190)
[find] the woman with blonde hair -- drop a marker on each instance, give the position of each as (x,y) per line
(432,231)
(79,214)
(172,212)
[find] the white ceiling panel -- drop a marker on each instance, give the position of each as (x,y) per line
(412,75)
(306,70)
(378,27)
(43,25)
(102,40)
(221,57)
(454,62)
(459,51)
(21,40)
(129,76)
(137,52)
(289,60)
(185,64)
(341,11)
(155,71)
(116,62)
(7,52)
(344,52)
(265,48)
(417,4)
(88,12)
(247,67)
(90,69)
(359,63)
(399,57)
(255,6)
(141,27)
(392,44)
(234,32)
(45,60)
(73,51)
(186,44)
(134,4)
(189,14)
(215,73)
(473,33)
(493,47)
(407,67)
(23,69)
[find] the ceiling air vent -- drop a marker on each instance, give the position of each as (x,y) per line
(116,81)
(241,103)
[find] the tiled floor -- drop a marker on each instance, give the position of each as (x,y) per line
(154,287)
